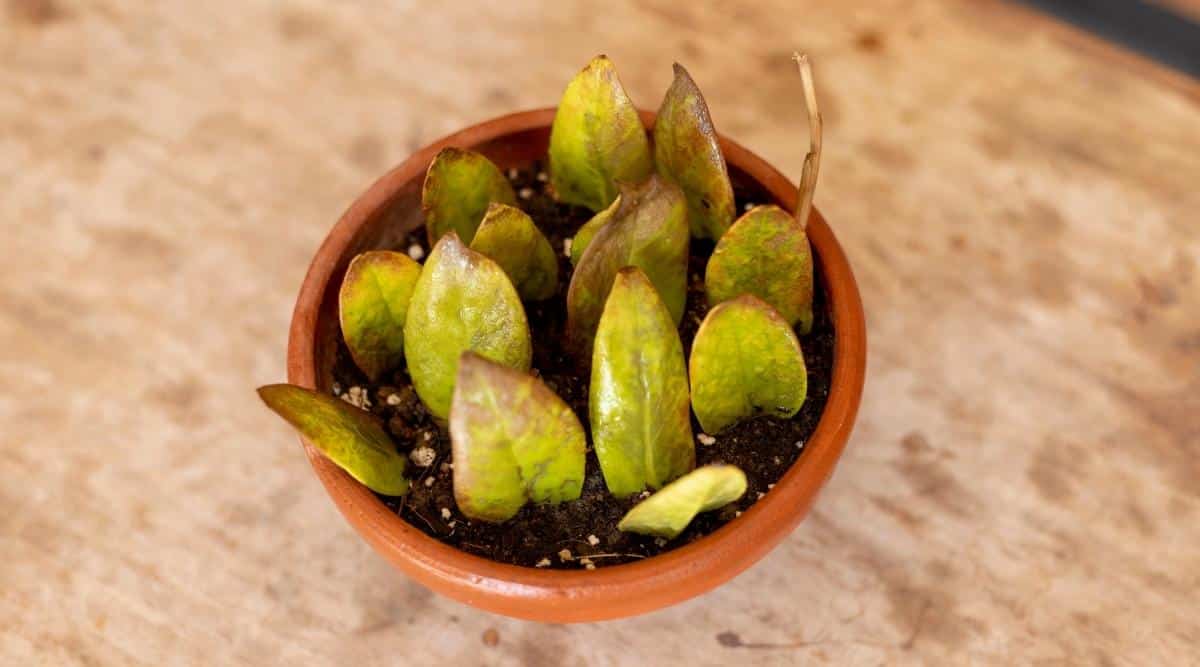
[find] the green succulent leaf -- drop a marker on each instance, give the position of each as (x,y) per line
(650,232)
(508,236)
(583,237)
(687,152)
(458,188)
(638,400)
(746,361)
(462,301)
(351,438)
(372,307)
(668,512)
(765,253)
(513,441)
(597,139)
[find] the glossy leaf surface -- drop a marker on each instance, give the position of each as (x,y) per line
(597,139)
(351,438)
(462,301)
(458,188)
(638,400)
(508,236)
(746,361)
(668,512)
(650,232)
(687,152)
(583,237)
(513,440)
(372,307)
(765,253)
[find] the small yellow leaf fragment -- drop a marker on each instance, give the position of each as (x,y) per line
(666,513)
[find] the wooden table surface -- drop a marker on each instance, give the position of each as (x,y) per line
(1019,204)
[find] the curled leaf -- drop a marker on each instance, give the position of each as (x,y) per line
(638,400)
(513,441)
(372,307)
(597,139)
(351,438)
(583,237)
(765,253)
(462,301)
(687,152)
(746,361)
(668,512)
(458,188)
(650,232)
(508,236)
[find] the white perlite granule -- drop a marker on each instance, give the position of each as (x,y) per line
(706,439)
(416,252)
(423,456)
(593,540)
(545,562)
(446,513)
(564,555)
(358,397)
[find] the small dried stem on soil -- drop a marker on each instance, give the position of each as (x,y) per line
(426,521)
(812,161)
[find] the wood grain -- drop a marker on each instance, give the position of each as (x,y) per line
(1021,215)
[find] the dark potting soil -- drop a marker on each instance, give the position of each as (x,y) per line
(764,448)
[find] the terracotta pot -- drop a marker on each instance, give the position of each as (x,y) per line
(381,217)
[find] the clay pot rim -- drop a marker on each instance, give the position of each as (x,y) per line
(618,590)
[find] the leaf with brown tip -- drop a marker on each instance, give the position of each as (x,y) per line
(372,307)
(351,438)
(765,253)
(746,361)
(638,399)
(513,441)
(458,187)
(508,236)
(462,301)
(687,151)
(649,232)
(668,512)
(597,139)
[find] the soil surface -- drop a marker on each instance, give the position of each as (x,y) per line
(583,533)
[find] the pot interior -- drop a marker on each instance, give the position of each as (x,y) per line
(388,227)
